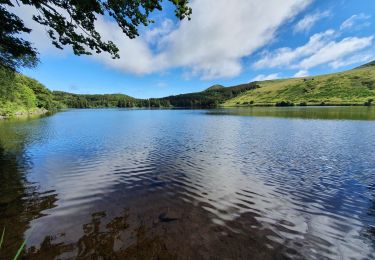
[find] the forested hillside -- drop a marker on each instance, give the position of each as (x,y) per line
(211,97)
(21,95)
(94,101)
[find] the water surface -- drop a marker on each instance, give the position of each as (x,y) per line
(230,183)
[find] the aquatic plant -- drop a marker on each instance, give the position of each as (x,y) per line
(2,237)
(19,251)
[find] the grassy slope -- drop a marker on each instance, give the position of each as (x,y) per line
(353,87)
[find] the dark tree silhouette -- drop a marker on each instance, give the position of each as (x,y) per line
(72,22)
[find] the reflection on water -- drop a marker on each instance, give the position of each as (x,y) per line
(20,201)
(103,240)
(338,113)
(190,184)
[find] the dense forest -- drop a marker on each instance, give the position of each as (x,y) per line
(20,94)
(211,97)
(94,101)
(71,100)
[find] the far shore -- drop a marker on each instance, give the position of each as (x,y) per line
(42,111)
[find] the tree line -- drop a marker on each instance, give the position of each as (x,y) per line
(19,93)
(209,98)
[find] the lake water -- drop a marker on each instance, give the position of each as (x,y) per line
(253,183)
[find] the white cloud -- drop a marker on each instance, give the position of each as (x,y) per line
(336,50)
(301,74)
(263,77)
(322,48)
(209,46)
(136,56)
(154,35)
(288,57)
(309,21)
(222,32)
(358,21)
(360,58)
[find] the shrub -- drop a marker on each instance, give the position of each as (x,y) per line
(284,104)
(368,102)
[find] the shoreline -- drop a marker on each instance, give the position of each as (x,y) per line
(20,114)
(42,111)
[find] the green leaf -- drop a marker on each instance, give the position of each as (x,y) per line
(2,237)
(22,246)
(20,250)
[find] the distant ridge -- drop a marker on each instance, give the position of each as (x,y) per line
(215,87)
(370,64)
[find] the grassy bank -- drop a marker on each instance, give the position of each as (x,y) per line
(353,87)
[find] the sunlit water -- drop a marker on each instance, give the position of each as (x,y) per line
(239,183)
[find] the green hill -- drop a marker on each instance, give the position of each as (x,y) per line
(23,95)
(95,100)
(211,97)
(215,87)
(370,64)
(353,87)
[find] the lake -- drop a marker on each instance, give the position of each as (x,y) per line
(250,183)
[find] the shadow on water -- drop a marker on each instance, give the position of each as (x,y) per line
(20,201)
(103,239)
(159,232)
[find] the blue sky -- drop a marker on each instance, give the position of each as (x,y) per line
(226,42)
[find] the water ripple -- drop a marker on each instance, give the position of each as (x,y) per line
(304,187)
